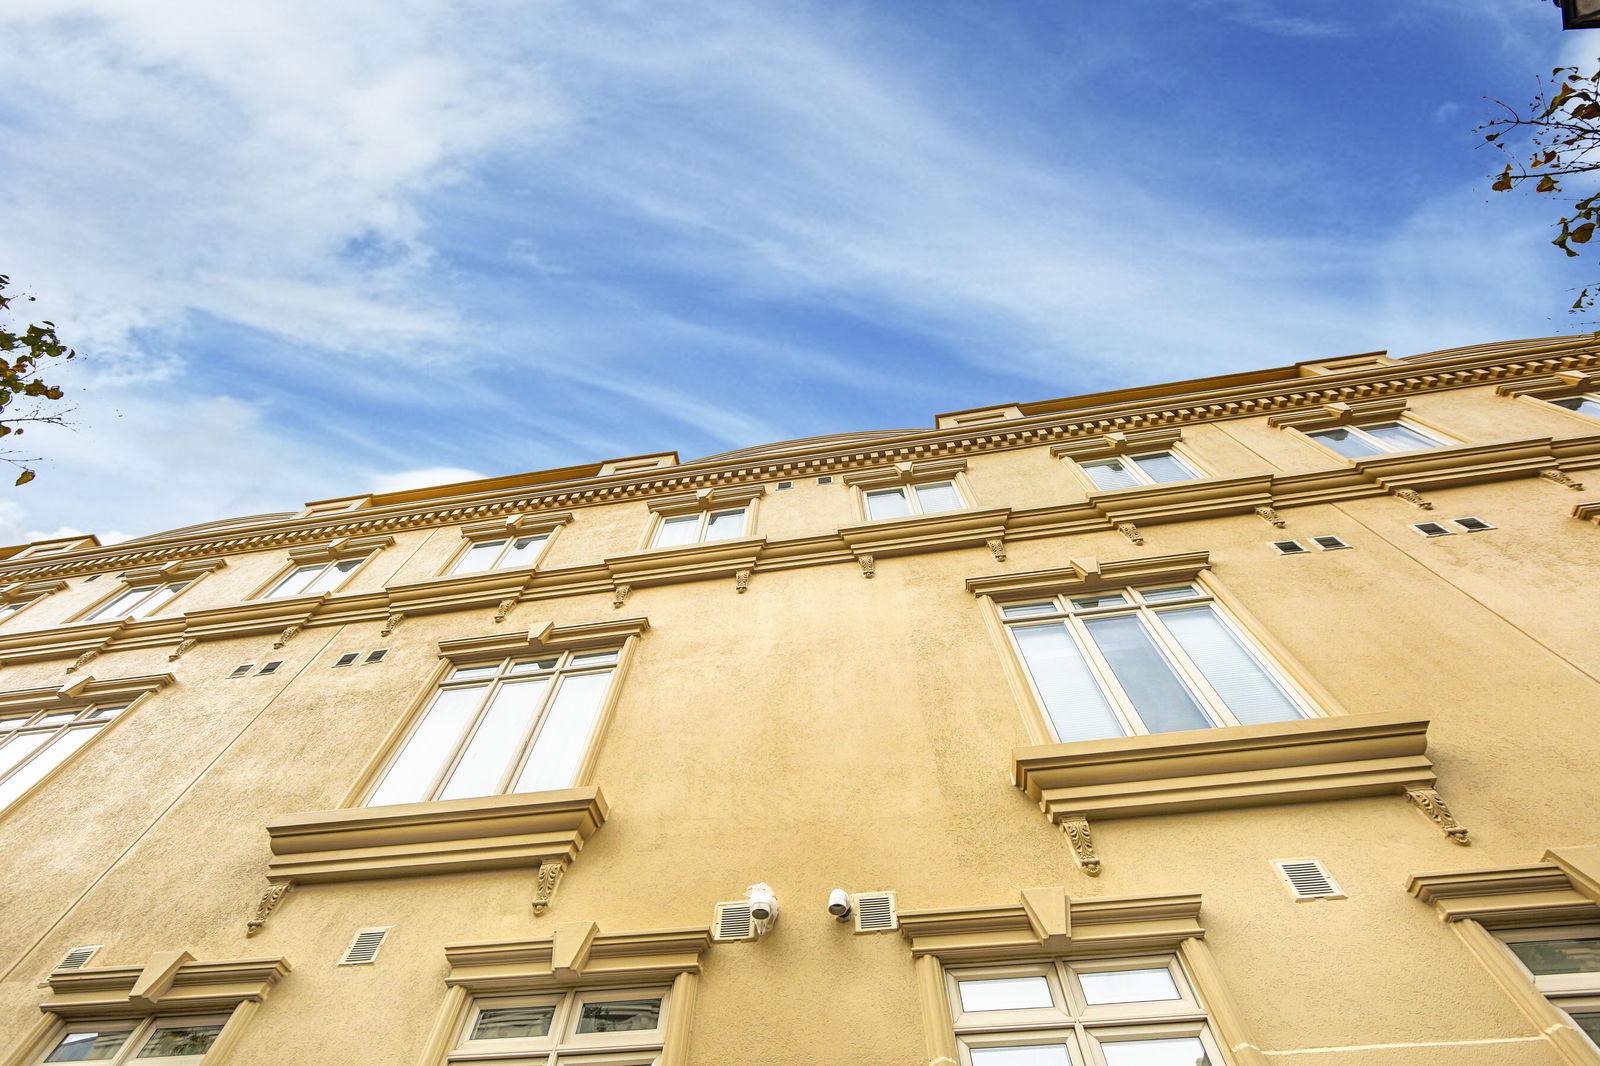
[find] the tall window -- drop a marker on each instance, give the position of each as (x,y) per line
(1564,964)
(1587,404)
(506,553)
(1113,1012)
(138,601)
(679,529)
(1150,468)
(314,578)
(1353,442)
(33,744)
(926,497)
(626,1024)
(522,725)
(1150,660)
(153,1042)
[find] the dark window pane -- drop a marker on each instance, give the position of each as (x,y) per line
(619,1016)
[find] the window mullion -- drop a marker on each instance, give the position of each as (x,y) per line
(1121,705)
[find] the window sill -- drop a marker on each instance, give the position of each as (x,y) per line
(1211,769)
(531,829)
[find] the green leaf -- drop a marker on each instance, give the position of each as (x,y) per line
(1582,234)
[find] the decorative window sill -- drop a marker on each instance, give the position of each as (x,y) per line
(1301,761)
(1564,888)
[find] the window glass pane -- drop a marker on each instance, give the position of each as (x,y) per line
(102,714)
(1111,474)
(725,524)
(619,1016)
(676,530)
(506,1023)
(20,748)
(564,736)
(498,741)
(1185,1051)
(159,599)
(122,604)
(332,576)
(1071,696)
(462,673)
(531,666)
(1164,467)
(523,552)
(8,724)
(1586,405)
(1590,1024)
(179,1040)
(1399,438)
(1177,592)
(1028,610)
(1128,986)
(1545,957)
(1239,678)
(480,556)
(57,718)
(1345,442)
(1030,1055)
(889,503)
(294,582)
(48,759)
(1152,686)
(1005,993)
(1110,599)
(938,496)
(594,658)
(87,1047)
(433,741)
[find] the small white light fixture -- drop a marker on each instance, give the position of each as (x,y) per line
(839,904)
(763,907)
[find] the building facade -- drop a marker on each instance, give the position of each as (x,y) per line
(1241,721)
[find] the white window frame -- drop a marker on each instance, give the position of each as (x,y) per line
(507,543)
(565,665)
(703,519)
(1591,397)
(1211,703)
(911,490)
(9,609)
(1569,993)
(639,1046)
(1130,463)
(1382,446)
(1070,1019)
(144,607)
(140,1031)
(313,573)
(54,725)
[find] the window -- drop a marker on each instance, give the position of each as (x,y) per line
(1564,965)
(1376,438)
(11,607)
(506,553)
(1110,1012)
(553,1028)
(1129,471)
(314,579)
(1587,404)
(1149,660)
(926,497)
(679,529)
(153,1042)
(33,744)
(138,601)
(522,725)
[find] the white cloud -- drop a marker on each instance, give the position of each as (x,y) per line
(422,478)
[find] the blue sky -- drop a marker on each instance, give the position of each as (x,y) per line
(313,250)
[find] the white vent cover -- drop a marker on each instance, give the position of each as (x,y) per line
(875,912)
(364,947)
(78,958)
(1307,879)
(734,922)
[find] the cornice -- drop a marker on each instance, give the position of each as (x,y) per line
(82,692)
(1479,366)
(1527,894)
(928,532)
(1110,444)
(542,636)
(1049,921)
(170,983)
(1085,574)
(576,951)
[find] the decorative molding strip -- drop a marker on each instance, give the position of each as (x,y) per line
(542,636)
(707,499)
(1113,444)
(575,952)
(339,548)
(904,472)
(1048,920)
(172,571)
(1588,512)
(691,562)
(1086,574)
(83,692)
(19,591)
(1564,382)
(170,983)
(516,525)
(1340,413)
(927,532)
(1529,894)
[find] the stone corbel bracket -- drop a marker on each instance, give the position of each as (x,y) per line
(691,562)
(870,542)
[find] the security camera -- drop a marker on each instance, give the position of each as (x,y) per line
(763,906)
(839,904)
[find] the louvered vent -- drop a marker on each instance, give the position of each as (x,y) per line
(1307,879)
(1289,547)
(240,671)
(1432,529)
(1329,544)
(364,948)
(78,958)
(875,912)
(347,658)
(1473,525)
(734,922)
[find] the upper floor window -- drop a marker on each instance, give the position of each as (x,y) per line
(34,743)
(314,578)
(624,1025)
(1564,965)
(521,725)
(673,531)
(1144,660)
(1376,438)
(1129,471)
(22,595)
(138,601)
(1105,1012)
(928,497)
(1587,404)
(508,553)
(152,1042)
